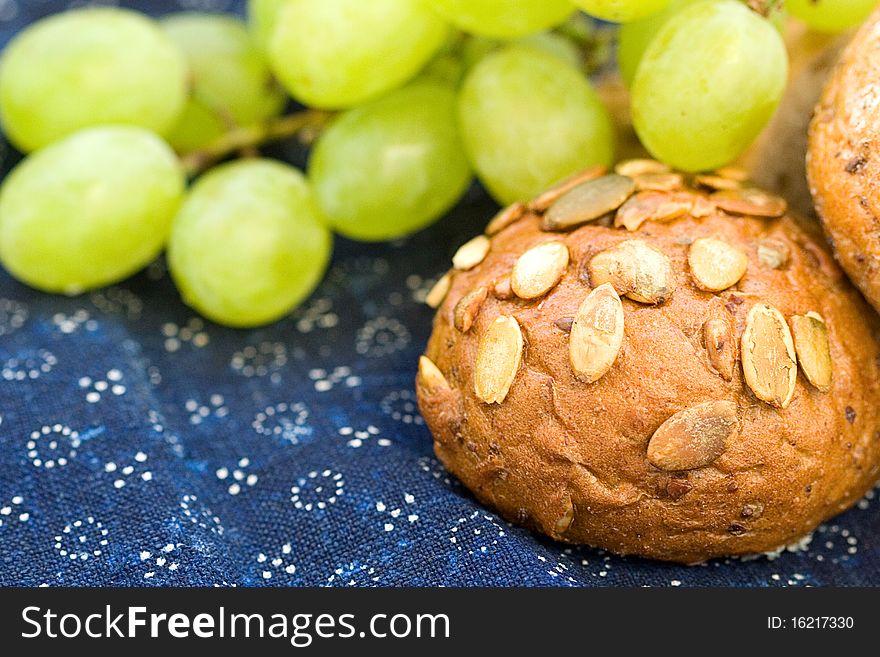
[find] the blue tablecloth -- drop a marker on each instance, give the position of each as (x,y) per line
(140,445)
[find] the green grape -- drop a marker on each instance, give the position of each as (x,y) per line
(556,45)
(476,48)
(529,120)
(504,19)
(249,243)
(231,82)
(89,210)
(560,46)
(831,15)
(621,11)
(448,63)
(339,53)
(262,17)
(634,38)
(708,84)
(89,67)
(198,125)
(393,166)
(448,68)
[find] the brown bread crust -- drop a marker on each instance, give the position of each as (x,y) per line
(843,161)
(570,459)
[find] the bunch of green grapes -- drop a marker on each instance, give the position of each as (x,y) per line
(230,81)
(402,101)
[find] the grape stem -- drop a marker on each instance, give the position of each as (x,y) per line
(764,7)
(305,124)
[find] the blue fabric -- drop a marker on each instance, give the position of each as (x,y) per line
(142,446)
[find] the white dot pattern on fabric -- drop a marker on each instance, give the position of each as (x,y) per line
(286,421)
(82,540)
(359,437)
(29,366)
(13,511)
(192,333)
(52,446)
(382,337)
(325,381)
(279,563)
(261,360)
(317,490)
(13,314)
(194,513)
(238,478)
(110,384)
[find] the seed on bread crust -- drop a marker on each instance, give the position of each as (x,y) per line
(467,308)
(588,201)
(636,270)
(438,293)
(695,437)
(703,207)
(430,377)
(498,359)
(720,347)
(768,356)
(733,173)
(773,254)
(716,182)
(715,264)
(506,217)
(501,289)
(641,167)
(659,182)
(813,350)
(750,202)
(596,334)
(553,194)
(563,523)
(539,269)
(652,206)
(471,253)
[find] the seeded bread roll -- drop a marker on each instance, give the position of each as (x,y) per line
(843,161)
(655,369)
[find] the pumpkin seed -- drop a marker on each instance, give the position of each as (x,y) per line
(813,349)
(659,182)
(750,202)
(430,377)
(539,269)
(506,217)
(768,356)
(640,167)
(703,207)
(636,270)
(471,253)
(552,195)
(717,183)
(733,173)
(563,523)
(695,437)
(720,347)
(773,253)
(438,293)
(502,290)
(652,206)
(498,359)
(715,264)
(467,308)
(596,334)
(588,201)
